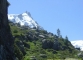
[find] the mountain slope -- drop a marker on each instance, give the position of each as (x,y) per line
(34,42)
(37,42)
(77,44)
(23,19)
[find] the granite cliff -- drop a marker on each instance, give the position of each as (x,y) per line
(6,39)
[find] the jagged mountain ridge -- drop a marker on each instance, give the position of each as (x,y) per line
(23,19)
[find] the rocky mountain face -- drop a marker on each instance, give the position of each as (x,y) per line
(23,19)
(6,39)
(29,41)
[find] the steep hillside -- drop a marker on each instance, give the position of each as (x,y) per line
(32,43)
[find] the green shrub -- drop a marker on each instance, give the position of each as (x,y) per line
(15,31)
(17,52)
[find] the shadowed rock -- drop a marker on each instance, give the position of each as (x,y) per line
(6,39)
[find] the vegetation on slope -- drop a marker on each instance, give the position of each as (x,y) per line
(32,44)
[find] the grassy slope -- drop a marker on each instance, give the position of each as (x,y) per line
(35,50)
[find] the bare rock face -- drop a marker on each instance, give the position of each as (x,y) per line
(6,39)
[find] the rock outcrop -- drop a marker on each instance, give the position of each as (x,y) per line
(6,39)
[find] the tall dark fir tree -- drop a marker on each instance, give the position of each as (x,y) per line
(58,33)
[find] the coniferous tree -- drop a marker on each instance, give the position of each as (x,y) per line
(66,40)
(58,32)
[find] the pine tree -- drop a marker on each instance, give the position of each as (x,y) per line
(58,32)
(66,41)
(66,38)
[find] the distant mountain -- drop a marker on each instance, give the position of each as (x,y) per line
(77,44)
(23,19)
(37,42)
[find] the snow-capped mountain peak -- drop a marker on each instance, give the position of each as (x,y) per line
(78,44)
(25,14)
(23,19)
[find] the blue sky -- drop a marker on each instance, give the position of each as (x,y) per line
(67,15)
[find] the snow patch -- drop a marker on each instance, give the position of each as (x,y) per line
(23,19)
(78,43)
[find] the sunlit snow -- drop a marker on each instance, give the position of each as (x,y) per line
(23,19)
(78,43)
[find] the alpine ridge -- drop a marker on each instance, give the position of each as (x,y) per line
(23,19)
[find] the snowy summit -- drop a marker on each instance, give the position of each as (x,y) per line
(78,43)
(23,19)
